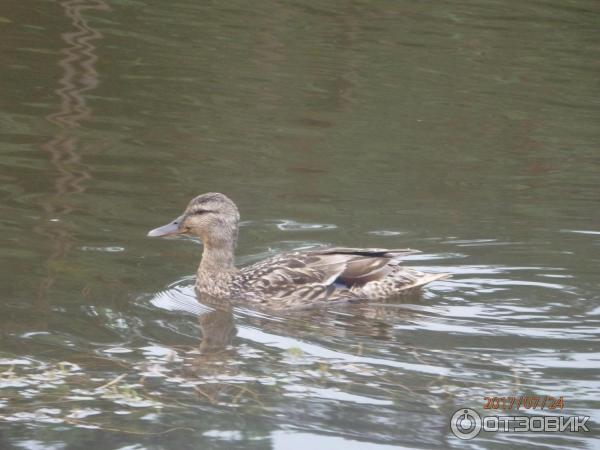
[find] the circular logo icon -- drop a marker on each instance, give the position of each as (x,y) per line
(465,423)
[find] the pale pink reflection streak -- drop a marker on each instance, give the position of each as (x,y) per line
(79,76)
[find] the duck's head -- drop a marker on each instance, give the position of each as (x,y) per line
(213,217)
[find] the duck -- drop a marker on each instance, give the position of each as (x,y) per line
(295,279)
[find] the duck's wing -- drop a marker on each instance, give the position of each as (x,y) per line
(293,270)
(363,265)
(368,252)
(319,275)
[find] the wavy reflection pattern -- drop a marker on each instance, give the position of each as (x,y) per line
(78,61)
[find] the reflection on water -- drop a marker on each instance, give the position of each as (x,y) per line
(316,370)
(78,64)
(464,131)
(79,76)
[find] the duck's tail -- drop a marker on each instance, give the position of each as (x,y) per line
(427,278)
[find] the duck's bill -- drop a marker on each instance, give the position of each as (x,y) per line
(169,229)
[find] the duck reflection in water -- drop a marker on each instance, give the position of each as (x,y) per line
(215,355)
(374,320)
(225,370)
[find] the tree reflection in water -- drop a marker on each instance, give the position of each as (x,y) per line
(78,61)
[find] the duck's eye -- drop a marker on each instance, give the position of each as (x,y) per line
(201,211)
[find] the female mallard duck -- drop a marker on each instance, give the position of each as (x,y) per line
(294,279)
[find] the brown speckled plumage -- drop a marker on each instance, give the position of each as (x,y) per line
(295,279)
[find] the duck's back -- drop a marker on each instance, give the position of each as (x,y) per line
(327,275)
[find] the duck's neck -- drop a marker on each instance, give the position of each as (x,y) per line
(218,256)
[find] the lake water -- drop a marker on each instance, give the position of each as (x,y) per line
(468,130)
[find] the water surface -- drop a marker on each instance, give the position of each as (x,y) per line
(466,130)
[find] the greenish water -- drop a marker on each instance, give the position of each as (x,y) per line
(468,130)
